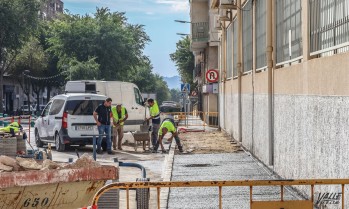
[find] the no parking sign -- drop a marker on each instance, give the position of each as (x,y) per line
(212,75)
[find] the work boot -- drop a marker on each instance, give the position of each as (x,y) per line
(180,148)
(111,152)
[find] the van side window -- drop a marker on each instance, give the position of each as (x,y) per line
(82,107)
(138,97)
(46,110)
(56,106)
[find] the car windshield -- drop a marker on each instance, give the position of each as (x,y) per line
(82,107)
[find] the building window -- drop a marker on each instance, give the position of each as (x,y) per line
(288,27)
(261,33)
(329,26)
(247,49)
(235,48)
(229,49)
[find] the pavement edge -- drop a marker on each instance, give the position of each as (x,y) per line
(166,176)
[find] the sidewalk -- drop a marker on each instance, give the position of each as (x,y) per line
(238,165)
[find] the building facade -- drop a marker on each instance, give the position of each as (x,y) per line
(283,90)
(204,45)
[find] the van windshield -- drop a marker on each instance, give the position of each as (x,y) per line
(82,107)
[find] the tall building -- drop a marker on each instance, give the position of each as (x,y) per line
(283,88)
(51,9)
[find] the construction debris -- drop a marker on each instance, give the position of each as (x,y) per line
(8,164)
(84,161)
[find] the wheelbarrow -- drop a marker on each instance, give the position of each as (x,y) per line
(142,137)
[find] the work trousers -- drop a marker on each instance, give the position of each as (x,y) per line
(118,135)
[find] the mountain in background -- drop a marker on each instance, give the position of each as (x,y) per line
(173,82)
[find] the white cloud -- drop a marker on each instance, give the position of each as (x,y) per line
(145,6)
(176,5)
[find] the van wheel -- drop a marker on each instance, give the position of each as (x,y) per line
(38,141)
(60,147)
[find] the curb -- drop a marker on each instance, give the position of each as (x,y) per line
(166,175)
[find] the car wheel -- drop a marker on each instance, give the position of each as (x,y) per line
(38,141)
(60,147)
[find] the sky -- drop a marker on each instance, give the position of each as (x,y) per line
(157,16)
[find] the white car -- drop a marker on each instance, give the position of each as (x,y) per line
(66,118)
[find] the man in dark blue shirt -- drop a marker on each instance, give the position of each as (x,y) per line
(102,116)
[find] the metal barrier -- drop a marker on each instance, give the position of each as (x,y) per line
(197,119)
(272,204)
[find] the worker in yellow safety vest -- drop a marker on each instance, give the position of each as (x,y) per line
(168,126)
(155,120)
(120,115)
(13,128)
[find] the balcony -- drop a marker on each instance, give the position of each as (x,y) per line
(199,35)
(200,32)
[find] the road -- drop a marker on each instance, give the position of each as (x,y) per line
(154,164)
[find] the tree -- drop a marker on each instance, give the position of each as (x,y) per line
(175,95)
(115,45)
(18,20)
(30,58)
(184,60)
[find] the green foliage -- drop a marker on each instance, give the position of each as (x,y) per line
(149,82)
(18,19)
(31,57)
(83,70)
(116,45)
(175,95)
(184,60)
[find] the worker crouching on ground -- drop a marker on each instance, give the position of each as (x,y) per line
(119,117)
(168,126)
(155,120)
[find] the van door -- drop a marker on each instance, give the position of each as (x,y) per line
(44,121)
(136,111)
(53,119)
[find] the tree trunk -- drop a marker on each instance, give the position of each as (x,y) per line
(48,92)
(1,89)
(1,82)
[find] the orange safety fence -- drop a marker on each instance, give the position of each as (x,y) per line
(196,119)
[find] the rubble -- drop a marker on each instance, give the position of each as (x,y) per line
(84,161)
(8,164)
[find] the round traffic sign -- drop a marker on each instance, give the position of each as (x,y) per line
(212,75)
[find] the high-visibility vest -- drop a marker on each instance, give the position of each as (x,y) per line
(168,125)
(15,126)
(154,110)
(116,115)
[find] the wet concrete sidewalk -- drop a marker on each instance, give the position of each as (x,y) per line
(225,166)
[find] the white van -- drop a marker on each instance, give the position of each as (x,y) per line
(124,93)
(65,118)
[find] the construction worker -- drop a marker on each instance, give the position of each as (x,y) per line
(119,117)
(102,116)
(155,120)
(168,126)
(13,128)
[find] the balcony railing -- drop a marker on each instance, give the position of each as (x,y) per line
(200,32)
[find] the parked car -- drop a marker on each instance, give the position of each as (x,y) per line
(66,118)
(25,110)
(170,110)
(41,108)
